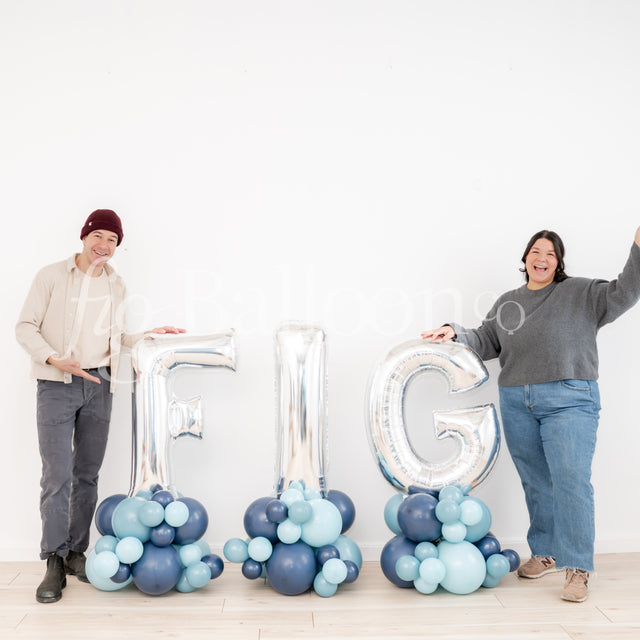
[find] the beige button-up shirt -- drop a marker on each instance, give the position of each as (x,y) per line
(46,323)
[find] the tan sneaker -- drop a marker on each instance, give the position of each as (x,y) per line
(576,585)
(537,566)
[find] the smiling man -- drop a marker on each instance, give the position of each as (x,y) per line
(72,327)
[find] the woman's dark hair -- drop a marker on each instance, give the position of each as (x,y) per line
(558,247)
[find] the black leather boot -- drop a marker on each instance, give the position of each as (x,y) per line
(50,589)
(74,565)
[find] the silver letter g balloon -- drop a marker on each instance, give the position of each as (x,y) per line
(475,428)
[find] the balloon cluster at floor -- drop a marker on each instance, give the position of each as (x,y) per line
(297,541)
(443,539)
(153,540)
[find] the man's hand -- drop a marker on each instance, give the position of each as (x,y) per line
(71,366)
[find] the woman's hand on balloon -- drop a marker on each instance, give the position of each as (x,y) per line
(443,334)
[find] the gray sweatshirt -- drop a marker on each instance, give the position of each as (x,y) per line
(550,334)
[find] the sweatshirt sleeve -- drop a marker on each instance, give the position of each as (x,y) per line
(484,339)
(611,299)
(33,311)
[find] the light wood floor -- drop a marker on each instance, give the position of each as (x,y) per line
(234,607)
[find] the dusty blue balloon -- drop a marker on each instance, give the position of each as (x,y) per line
(513,558)
(408,568)
(323,587)
(125,520)
(465,565)
(158,570)
(277,511)
(104,584)
(162,497)
(104,513)
(215,564)
(391,513)
(291,569)
(345,506)
(256,522)
(352,572)
(488,546)
(235,550)
(327,552)
(122,574)
(251,569)
(196,524)
(394,549)
(162,535)
(417,518)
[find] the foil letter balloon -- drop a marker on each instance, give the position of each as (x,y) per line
(301,395)
(159,417)
(475,428)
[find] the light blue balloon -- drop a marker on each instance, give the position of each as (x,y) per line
(324,526)
(176,513)
(425,550)
(322,587)
(235,550)
(448,511)
(312,494)
(471,512)
(432,570)
(260,549)
(490,581)
(391,513)
(106,543)
(454,532)
(478,531)
(451,493)
(349,550)
(408,568)
(465,565)
(189,554)
(104,584)
(334,571)
(204,546)
(289,496)
(184,586)
(151,513)
(497,566)
(106,564)
(425,587)
(145,494)
(129,550)
(198,574)
(288,532)
(300,512)
(299,485)
(125,521)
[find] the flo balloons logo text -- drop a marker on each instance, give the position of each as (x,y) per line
(442,535)
(152,537)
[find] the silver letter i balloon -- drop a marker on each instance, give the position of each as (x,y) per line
(301,394)
(158,417)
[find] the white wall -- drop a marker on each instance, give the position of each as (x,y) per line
(374,167)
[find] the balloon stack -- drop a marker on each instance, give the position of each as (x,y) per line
(297,541)
(443,539)
(154,541)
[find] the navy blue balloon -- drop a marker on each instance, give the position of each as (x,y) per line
(193,529)
(396,547)
(513,558)
(414,488)
(122,574)
(155,488)
(352,572)
(488,546)
(162,535)
(291,568)
(215,564)
(345,506)
(417,518)
(256,522)
(277,511)
(158,570)
(251,569)
(327,553)
(163,497)
(105,511)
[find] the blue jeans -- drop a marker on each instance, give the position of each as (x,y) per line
(73,425)
(550,429)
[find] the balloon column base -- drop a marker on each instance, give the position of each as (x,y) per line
(297,541)
(153,541)
(443,539)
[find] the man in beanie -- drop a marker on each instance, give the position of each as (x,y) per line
(71,326)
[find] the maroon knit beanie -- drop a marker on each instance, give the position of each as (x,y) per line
(103,219)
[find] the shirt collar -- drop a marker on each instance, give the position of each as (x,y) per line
(71,265)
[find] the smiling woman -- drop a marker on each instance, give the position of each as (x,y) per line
(549,398)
